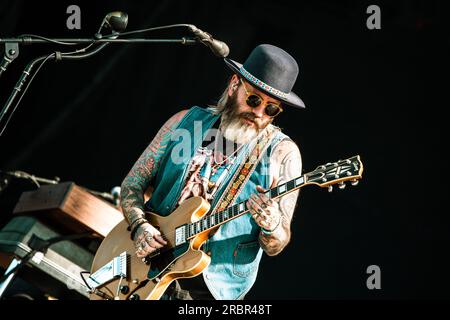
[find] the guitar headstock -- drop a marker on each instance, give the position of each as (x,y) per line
(337,173)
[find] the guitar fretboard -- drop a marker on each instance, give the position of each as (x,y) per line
(238,209)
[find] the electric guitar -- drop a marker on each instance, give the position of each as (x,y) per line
(118,274)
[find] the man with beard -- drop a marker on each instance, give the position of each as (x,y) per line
(222,140)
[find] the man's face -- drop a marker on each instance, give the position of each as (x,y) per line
(239,117)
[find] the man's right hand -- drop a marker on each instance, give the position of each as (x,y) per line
(147,239)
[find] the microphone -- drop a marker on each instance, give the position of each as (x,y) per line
(116,20)
(219,48)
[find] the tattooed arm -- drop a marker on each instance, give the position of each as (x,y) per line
(138,179)
(285,165)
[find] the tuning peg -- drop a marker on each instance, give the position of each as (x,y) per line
(330,188)
(341,185)
(354,182)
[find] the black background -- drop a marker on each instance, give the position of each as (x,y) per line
(376,93)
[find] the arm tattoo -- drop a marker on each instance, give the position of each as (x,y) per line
(287,160)
(138,179)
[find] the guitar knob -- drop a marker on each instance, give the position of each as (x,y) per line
(354,182)
(341,185)
(330,188)
(124,289)
(135,297)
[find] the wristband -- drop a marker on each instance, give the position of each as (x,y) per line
(134,229)
(140,219)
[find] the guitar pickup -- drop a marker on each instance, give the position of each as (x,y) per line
(180,235)
(116,268)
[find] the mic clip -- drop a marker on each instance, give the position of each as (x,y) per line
(201,35)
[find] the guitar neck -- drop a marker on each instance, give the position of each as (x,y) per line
(238,209)
(325,176)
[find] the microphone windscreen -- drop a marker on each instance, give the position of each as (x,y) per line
(118,21)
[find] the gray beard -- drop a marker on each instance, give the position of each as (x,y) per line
(238,132)
(232,126)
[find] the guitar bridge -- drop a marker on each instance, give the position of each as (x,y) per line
(116,268)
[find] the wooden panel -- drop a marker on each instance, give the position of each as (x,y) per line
(44,198)
(69,207)
(5,259)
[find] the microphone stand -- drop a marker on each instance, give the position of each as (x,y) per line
(11,43)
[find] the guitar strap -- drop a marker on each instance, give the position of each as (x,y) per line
(245,170)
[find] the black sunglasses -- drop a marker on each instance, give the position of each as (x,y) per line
(253,101)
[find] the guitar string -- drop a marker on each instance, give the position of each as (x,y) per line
(171,233)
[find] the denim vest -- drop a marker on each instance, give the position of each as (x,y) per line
(234,248)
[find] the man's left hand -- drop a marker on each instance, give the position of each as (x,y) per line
(265,211)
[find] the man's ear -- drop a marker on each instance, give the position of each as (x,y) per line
(234,84)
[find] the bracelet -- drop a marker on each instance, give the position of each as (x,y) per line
(134,229)
(269,232)
(133,215)
(136,221)
(266,231)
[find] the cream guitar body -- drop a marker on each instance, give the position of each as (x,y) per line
(150,279)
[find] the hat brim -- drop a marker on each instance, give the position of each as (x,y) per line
(291,98)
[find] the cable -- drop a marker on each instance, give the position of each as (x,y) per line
(152,29)
(58,56)
(95,290)
(84,280)
(23,93)
(47,39)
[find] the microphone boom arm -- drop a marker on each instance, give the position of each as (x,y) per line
(31,40)
(219,48)
(11,52)
(27,71)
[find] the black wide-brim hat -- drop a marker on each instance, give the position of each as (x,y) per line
(272,70)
